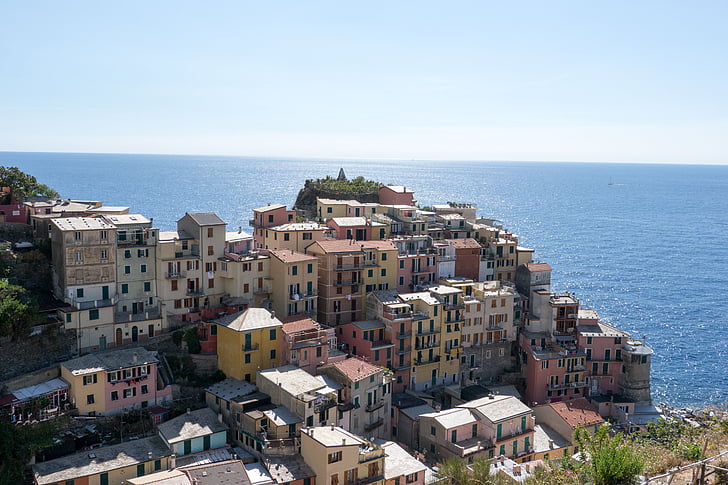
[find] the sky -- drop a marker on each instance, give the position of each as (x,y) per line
(553,80)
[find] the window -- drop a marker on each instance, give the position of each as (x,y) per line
(309,268)
(246,288)
(78,236)
(272,334)
(129,392)
(90,399)
(588,340)
(356,385)
(157,465)
(210,251)
(143,268)
(384,272)
(210,231)
(433,431)
(273,354)
(329,210)
(114,395)
(370,273)
(124,288)
(127,269)
(411,478)
(335,456)
(93,314)
(127,253)
(307,236)
(79,293)
(247,358)
(294,270)
(147,286)
(286,236)
(140,469)
(384,256)
(104,254)
(89,379)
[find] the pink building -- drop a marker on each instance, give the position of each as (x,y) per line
(400,467)
(308,345)
(359,228)
(396,195)
(269,216)
(12,210)
(602,346)
(418,268)
(369,340)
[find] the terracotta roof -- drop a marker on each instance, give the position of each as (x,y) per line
(250,319)
(577,412)
(300,324)
(356,369)
(538,267)
(268,207)
(465,243)
(339,246)
(378,245)
(289,256)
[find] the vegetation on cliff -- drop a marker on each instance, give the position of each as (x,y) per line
(23,185)
(358,188)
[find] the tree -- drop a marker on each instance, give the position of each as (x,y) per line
(612,460)
(477,473)
(192,339)
(18,311)
(23,185)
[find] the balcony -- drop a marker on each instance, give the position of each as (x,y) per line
(323,404)
(351,267)
(87,305)
(420,315)
(428,360)
(311,338)
(347,282)
(373,407)
(570,385)
(195,292)
(402,336)
(427,345)
(469,446)
(426,331)
(250,347)
(175,275)
(302,296)
(397,315)
(404,350)
(514,433)
(377,344)
(373,426)
(451,348)
(122,317)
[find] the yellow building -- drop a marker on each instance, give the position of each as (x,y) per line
(294,282)
(246,279)
(380,265)
(248,342)
(339,457)
(328,208)
(438,315)
(294,236)
(109,465)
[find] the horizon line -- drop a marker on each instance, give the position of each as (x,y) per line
(332,158)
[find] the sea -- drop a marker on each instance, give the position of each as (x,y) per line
(646,245)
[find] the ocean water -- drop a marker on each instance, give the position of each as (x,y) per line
(645,245)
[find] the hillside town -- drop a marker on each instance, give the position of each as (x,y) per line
(356,342)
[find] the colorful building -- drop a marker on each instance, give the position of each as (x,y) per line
(116,381)
(294,282)
(247,342)
(270,215)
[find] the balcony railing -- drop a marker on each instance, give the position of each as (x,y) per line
(373,407)
(428,331)
(469,446)
(195,292)
(428,360)
(570,385)
(404,350)
(175,275)
(250,347)
(347,282)
(121,317)
(427,345)
(381,343)
(420,315)
(373,426)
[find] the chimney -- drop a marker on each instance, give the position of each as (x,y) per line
(332,427)
(173,461)
(149,455)
(343,441)
(273,314)
(551,444)
(135,357)
(219,417)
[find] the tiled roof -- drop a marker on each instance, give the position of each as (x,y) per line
(468,242)
(356,369)
(381,245)
(296,325)
(538,267)
(250,319)
(81,223)
(205,218)
(290,256)
(400,189)
(349,221)
(339,246)
(112,360)
(268,207)
(577,412)
(194,424)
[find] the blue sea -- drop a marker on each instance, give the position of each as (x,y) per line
(645,245)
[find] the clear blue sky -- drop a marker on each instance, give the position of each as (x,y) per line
(542,80)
